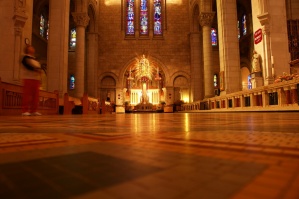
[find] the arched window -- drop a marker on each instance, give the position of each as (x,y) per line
(143,17)
(244,26)
(130,29)
(157,17)
(43,27)
(214,37)
(73,38)
(146,18)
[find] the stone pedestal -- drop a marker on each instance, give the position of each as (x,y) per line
(168,109)
(120,109)
(256,79)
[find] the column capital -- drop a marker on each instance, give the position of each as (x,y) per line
(206,18)
(81,18)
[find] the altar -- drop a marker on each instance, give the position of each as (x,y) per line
(144,86)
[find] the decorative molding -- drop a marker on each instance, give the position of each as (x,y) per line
(81,18)
(206,18)
(20,16)
(264,18)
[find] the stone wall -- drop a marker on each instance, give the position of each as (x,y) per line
(116,51)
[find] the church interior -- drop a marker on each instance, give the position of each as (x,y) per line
(151,99)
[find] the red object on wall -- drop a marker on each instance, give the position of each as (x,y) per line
(258,36)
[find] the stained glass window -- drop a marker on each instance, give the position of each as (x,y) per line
(47,31)
(214,37)
(249,82)
(73,38)
(238,29)
(215,81)
(143,17)
(72,82)
(244,26)
(42,25)
(130,17)
(157,17)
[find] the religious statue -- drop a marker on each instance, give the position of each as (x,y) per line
(256,62)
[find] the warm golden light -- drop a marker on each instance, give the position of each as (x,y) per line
(112,2)
(178,2)
(187,125)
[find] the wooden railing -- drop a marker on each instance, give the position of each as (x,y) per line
(106,107)
(85,105)
(11,100)
(281,96)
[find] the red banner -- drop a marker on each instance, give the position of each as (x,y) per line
(258,36)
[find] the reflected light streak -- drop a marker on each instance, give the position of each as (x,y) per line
(136,123)
(153,123)
(187,125)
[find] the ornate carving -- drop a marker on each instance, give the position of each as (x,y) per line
(81,19)
(206,18)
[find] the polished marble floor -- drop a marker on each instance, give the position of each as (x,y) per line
(150,156)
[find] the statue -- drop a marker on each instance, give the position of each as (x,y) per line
(256,62)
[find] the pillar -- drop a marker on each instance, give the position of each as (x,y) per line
(267,63)
(81,21)
(196,72)
(229,46)
(92,60)
(205,19)
(58,45)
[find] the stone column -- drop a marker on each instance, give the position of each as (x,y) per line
(205,19)
(196,71)
(92,52)
(267,69)
(81,20)
(58,45)
(229,46)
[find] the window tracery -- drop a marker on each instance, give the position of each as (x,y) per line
(143,16)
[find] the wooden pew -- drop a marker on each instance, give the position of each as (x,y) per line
(11,100)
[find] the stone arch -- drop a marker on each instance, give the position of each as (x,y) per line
(245,71)
(91,48)
(108,74)
(181,85)
(194,14)
(107,88)
(134,60)
(179,74)
(91,10)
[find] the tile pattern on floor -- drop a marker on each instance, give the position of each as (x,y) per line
(175,156)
